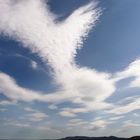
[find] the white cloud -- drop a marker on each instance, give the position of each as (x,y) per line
(77,122)
(136,114)
(85,107)
(33,64)
(72,112)
(30,109)
(129,107)
(90,85)
(127,125)
(133,70)
(16,124)
(37,116)
(116,118)
(99,124)
(131,103)
(10,89)
(6,102)
(46,128)
(52,107)
(33,24)
(67,114)
(15,93)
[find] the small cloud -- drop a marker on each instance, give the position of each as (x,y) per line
(34,65)
(99,124)
(116,118)
(77,122)
(7,102)
(67,114)
(136,114)
(46,128)
(35,115)
(38,116)
(30,109)
(52,107)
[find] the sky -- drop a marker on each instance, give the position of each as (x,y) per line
(69,65)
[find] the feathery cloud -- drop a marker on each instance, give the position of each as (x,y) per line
(56,42)
(129,107)
(133,70)
(42,35)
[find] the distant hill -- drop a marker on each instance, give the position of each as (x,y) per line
(135,138)
(99,138)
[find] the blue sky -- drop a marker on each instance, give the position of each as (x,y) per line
(52,84)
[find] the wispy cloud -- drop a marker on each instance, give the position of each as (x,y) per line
(66,113)
(127,125)
(14,92)
(116,118)
(99,124)
(56,43)
(77,122)
(42,35)
(16,124)
(6,102)
(129,107)
(133,70)
(35,115)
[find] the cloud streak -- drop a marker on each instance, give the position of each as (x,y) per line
(133,70)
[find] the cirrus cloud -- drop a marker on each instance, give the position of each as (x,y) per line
(56,43)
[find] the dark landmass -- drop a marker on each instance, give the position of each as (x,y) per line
(99,138)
